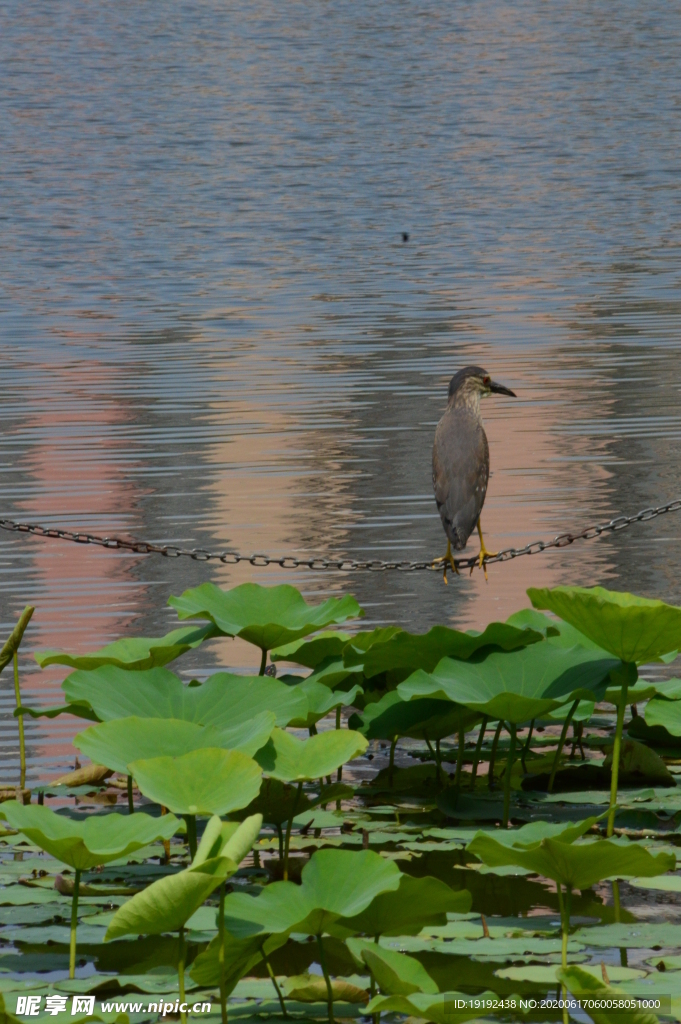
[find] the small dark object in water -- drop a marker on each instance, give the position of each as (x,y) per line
(405,236)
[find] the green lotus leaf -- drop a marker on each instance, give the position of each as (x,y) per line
(265,616)
(118,742)
(224,701)
(289,759)
(531,835)
(633,629)
(576,865)
(321,700)
(334,883)
(240,957)
(311,653)
(541,974)
(557,632)
(418,903)
(583,985)
(516,686)
(168,903)
(666,713)
(333,672)
(277,801)
(205,781)
(88,843)
(396,973)
(135,653)
(393,716)
(444,1008)
(403,650)
(310,988)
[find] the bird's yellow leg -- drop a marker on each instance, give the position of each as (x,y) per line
(447,559)
(484,553)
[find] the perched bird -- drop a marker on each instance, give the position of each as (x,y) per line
(461,461)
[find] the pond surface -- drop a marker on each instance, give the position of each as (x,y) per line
(213,334)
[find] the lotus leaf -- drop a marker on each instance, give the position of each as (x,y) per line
(168,903)
(267,617)
(665,713)
(240,957)
(577,866)
(403,650)
(418,903)
(96,840)
(289,759)
(396,973)
(118,742)
(445,1008)
(334,883)
(394,715)
(205,781)
(310,988)
(312,653)
(321,700)
(223,701)
(584,986)
(136,652)
(515,686)
(633,629)
(278,802)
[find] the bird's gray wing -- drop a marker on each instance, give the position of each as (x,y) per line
(460,473)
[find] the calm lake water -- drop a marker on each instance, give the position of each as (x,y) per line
(213,334)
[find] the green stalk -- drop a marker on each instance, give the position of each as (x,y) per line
(624,961)
(180,974)
(492,756)
(433,756)
(22,747)
(339,773)
(221,955)
(74,925)
(526,746)
(459,756)
(280,834)
(391,761)
(312,729)
(478,748)
(561,743)
(131,802)
(289,823)
(274,981)
(191,834)
(564,927)
(507,776)
(263,662)
(327,979)
(614,776)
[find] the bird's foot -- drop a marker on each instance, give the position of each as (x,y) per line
(482,558)
(446,560)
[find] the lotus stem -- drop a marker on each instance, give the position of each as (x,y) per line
(280,997)
(312,730)
(13,641)
(327,979)
(614,776)
(459,756)
(74,925)
(492,756)
(191,834)
(507,776)
(280,834)
(433,755)
(22,746)
(478,748)
(561,744)
(289,823)
(564,905)
(180,975)
(526,746)
(131,802)
(263,662)
(391,761)
(624,960)
(338,717)
(221,955)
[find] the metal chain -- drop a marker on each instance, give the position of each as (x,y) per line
(140,547)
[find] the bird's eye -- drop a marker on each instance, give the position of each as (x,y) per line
(485,380)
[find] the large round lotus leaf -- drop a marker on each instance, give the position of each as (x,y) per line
(134,653)
(223,701)
(207,781)
(311,653)
(516,686)
(403,650)
(165,905)
(334,883)
(579,865)
(634,629)
(95,840)
(265,616)
(115,744)
(292,760)
(428,717)
(419,902)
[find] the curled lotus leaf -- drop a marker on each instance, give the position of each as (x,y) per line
(313,652)
(134,653)
(634,629)
(267,617)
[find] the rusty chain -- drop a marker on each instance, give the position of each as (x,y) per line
(319,564)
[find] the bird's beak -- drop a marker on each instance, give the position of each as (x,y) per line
(499,389)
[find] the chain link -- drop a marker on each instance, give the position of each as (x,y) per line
(140,547)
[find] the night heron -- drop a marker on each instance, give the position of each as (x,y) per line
(461,462)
